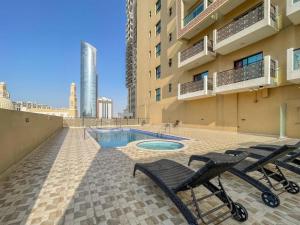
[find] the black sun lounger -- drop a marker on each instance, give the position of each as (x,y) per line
(292,156)
(173,177)
(289,161)
(246,166)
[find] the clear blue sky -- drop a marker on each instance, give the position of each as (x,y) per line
(40,48)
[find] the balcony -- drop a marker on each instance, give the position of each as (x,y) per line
(257,24)
(204,14)
(254,76)
(196,89)
(293,65)
(198,54)
(293,11)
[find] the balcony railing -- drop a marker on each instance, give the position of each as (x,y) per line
(252,71)
(253,16)
(273,69)
(194,86)
(195,49)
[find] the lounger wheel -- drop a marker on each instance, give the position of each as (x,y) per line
(270,199)
(293,188)
(239,212)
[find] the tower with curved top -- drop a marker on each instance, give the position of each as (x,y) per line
(88,81)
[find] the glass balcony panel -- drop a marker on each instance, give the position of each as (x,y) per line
(192,15)
(297,59)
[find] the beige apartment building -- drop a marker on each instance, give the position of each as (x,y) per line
(220,64)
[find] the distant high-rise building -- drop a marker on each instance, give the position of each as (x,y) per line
(88,81)
(105,108)
(131,46)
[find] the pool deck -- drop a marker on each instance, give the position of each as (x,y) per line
(70,180)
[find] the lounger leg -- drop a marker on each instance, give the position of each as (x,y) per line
(296,161)
(289,167)
(238,211)
(134,170)
(289,186)
(268,197)
(221,195)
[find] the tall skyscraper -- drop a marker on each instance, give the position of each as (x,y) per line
(88,81)
(131,45)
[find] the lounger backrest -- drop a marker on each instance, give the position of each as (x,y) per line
(210,170)
(276,154)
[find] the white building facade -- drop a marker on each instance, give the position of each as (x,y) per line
(105,108)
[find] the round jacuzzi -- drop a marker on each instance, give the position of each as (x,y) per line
(160,145)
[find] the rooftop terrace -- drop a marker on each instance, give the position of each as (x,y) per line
(70,180)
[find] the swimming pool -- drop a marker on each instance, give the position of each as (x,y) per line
(113,138)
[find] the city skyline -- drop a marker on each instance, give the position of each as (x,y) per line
(41,53)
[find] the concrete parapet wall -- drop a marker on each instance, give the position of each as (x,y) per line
(21,133)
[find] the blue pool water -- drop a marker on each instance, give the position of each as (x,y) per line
(112,138)
(160,145)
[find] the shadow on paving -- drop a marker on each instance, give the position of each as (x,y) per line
(20,190)
(108,194)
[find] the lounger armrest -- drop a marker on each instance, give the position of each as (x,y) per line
(201,158)
(214,156)
(234,152)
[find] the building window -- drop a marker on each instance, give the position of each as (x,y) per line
(149,73)
(158,49)
(170,88)
(200,76)
(157,72)
(157,94)
(158,6)
(150,14)
(297,59)
(150,34)
(170,11)
(248,60)
(150,54)
(170,62)
(158,28)
(170,37)
(149,94)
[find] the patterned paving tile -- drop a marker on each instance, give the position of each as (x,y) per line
(69,180)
